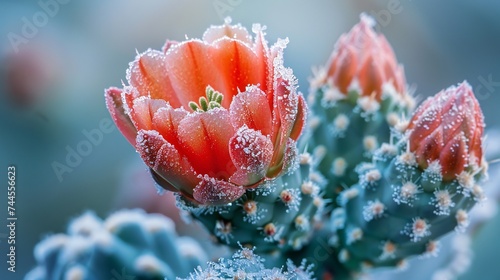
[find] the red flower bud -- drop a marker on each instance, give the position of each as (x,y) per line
(364,60)
(448,128)
(211,117)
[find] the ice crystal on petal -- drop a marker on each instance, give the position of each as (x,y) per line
(251,152)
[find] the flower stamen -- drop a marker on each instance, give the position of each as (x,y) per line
(213,100)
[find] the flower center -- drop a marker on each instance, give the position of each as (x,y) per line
(213,100)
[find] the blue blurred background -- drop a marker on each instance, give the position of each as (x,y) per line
(53,75)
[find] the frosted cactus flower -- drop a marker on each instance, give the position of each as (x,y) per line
(446,131)
(365,62)
(212,117)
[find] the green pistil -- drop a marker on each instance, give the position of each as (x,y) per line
(213,100)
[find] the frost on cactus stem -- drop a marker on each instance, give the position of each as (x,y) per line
(417,188)
(212,117)
(246,264)
(356,98)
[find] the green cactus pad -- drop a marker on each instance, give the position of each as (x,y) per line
(345,130)
(129,244)
(397,210)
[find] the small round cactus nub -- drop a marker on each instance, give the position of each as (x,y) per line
(277,215)
(413,193)
(129,244)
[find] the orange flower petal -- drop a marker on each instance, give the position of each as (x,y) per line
(300,119)
(288,154)
(251,152)
(371,78)
(165,160)
(168,45)
(237,32)
(284,117)
(211,191)
(238,65)
(148,74)
(143,111)
(251,108)
(454,157)
(205,141)
(116,109)
(191,68)
(423,127)
(345,69)
(166,121)
(264,61)
(430,148)
(287,105)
